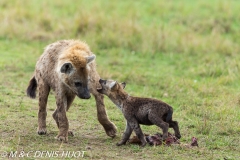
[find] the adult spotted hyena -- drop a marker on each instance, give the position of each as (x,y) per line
(68,68)
(137,110)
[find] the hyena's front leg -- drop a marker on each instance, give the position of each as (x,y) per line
(42,112)
(136,127)
(108,126)
(55,115)
(61,119)
(126,135)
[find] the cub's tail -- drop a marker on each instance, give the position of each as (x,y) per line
(32,87)
(169,114)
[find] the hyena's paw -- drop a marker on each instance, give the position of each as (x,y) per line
(178,136)
(42,131)
(164,137)
(121,143)
(110,129)
(143,144)
(62,138)
(70,133)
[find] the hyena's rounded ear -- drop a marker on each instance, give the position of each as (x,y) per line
(66,68)
(113,85)
(90,58)
(123,84)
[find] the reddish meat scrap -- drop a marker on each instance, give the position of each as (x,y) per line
(156,139)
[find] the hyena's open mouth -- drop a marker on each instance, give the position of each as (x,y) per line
(99,90)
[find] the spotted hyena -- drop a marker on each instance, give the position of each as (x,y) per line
(138,110)
(68,68)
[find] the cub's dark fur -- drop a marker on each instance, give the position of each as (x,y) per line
(138,110)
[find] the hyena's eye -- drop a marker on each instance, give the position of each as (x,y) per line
(78,84)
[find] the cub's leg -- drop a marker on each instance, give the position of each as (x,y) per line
(55,115)
(174,125)
(44,90)
(126,135)
(155,119)
(108,126)
(136,127)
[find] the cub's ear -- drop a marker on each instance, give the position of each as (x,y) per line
(113,85)
(123,84)
(66,68)
(90,58)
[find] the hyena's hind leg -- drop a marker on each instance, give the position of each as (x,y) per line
(55,115)
(44,90)
(174,125)
(155,119)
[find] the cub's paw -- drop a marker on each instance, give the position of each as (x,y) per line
(164,137)
(143,144)
(42,131)
(121,143)
(62,138)
(178,136)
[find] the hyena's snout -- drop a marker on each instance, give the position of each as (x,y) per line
(84,93)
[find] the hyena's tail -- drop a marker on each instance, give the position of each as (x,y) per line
(32,87)
(169,115)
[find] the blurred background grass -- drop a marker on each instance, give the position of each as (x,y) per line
(138,26)
(185,53)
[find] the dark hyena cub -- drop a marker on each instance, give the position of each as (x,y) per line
(138,110)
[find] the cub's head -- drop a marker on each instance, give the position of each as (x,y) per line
(73,70)
(110,87)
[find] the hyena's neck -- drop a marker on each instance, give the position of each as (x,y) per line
(119,99)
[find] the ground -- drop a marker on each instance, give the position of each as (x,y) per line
(184,53)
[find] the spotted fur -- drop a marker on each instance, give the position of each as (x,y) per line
(138,110)
(68,68)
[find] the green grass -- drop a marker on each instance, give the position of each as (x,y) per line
(185,53)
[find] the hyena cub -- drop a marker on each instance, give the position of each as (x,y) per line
(138,110)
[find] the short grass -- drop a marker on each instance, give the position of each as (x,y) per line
(185,53)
